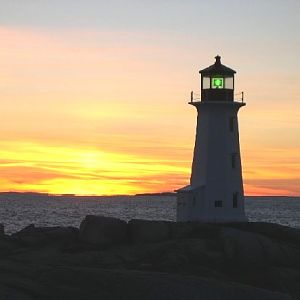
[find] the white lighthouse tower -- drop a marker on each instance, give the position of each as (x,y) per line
(215,193)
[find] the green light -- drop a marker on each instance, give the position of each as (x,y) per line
(217,83)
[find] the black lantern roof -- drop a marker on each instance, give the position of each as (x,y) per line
(217,68)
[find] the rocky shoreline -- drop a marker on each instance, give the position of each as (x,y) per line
(107,258)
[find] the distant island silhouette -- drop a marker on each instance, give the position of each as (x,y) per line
(35,194)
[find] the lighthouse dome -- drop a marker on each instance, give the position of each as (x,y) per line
(217,68)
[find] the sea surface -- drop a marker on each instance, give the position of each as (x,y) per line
(20,210)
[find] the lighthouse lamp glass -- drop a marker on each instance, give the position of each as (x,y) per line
(217,83)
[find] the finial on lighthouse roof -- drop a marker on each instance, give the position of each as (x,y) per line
(217,68)
(218,60)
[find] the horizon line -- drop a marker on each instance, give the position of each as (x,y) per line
(122,195)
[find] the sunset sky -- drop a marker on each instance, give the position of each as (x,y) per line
(94,93)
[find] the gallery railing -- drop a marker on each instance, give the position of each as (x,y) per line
(195,97)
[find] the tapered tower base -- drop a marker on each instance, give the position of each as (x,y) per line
(215,193)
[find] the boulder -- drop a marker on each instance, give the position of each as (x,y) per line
(291,255)
(181,255)
(2,233)
(7,246)
(252,249)
(286,278)
(241,247)
(26,230)
(32,235)
(271,230)
(62,233)
(101,230)
(197,230)
(143,231)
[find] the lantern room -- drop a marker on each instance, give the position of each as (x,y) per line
(217,82)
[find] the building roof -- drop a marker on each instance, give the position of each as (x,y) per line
(217,68)
(188,188)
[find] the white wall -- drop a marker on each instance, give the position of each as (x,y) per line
(212,168)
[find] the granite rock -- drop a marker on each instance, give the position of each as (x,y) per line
(143,231)
(101,230)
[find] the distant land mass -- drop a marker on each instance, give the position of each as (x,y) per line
(157,194)
(36,194)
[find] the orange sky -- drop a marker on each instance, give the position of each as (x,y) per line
(87,112)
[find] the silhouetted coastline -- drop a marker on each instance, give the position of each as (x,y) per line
(108,258)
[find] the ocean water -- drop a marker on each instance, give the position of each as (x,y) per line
(20,210)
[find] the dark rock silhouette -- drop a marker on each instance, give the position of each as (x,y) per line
(102,230)
(1,230)
(32,235)
(142,231)
(111,259)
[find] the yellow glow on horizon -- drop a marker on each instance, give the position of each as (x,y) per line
(61,170)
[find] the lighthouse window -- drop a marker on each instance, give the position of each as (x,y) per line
(235,200)
(217,83)
(233,160)
(206,83)
(218,203)
(229,83)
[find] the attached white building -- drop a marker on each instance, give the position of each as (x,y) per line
(215,193)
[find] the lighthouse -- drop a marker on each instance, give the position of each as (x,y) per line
(215,192)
